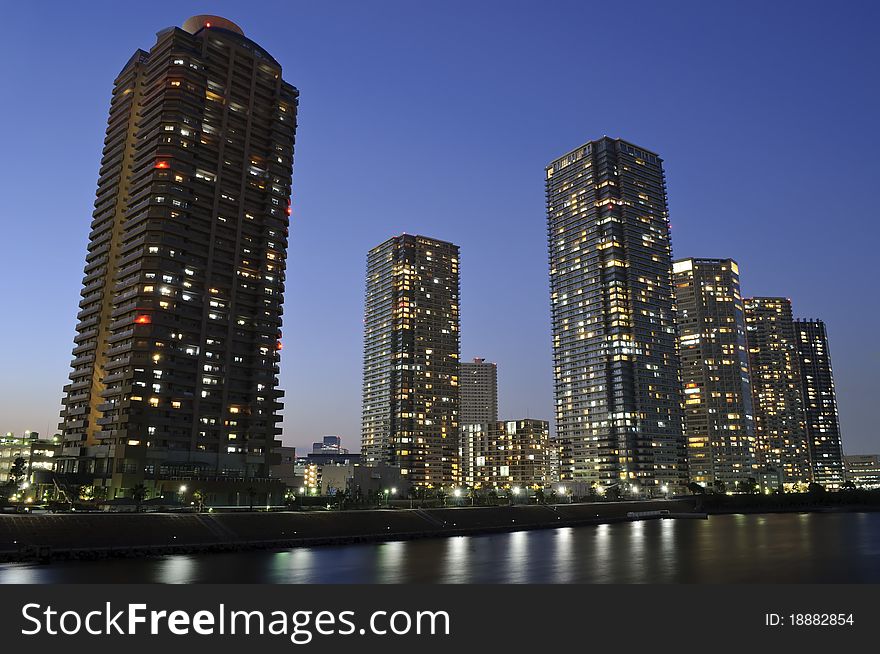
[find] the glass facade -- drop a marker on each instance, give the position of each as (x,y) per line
(718,415)
(820,403)
(776,390)
(616,368)
(411,393)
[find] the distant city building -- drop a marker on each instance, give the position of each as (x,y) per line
(776,389)
(863,470)
(524,446)
(820,403)
(176,357)
(326,458)
(718,415)
(479,392)
(411,392)
(329,445)
(616,369)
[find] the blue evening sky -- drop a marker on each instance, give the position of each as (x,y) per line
(438,118)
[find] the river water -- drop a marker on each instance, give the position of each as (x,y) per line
(817,547)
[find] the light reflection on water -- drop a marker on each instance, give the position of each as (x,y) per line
(563,556)
(843,547)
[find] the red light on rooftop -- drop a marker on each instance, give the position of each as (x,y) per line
(207,24)
(143,320)
(162,164)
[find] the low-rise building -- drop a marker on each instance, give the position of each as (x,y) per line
(38,455)
(863,470)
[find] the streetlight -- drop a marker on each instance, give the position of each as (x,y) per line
(562,490)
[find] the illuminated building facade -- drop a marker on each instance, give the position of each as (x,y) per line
(329,445)
(479,392)
(863,470)
(524,447)
(820,403)
(411,394)
(506,453)
(177,347)
(776,389)
(618,394)
(479,456)
(718,415)
(38,454)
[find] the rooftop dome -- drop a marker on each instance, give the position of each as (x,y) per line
(194,24)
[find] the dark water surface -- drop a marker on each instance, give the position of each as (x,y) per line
(837,547)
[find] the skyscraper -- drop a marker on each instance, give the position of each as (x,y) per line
(718,415)
(411,359)
(178,340)
(820,403)
(618,395)
(776,389)
(479,392)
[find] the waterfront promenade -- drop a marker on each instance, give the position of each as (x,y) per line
(94,535)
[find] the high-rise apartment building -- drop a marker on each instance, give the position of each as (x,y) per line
(718,415)
(506,453)
(820,403)
(524,448)
(179,336)
(776,389)
(479,392)
(479,456)
(618,395)
(411,359)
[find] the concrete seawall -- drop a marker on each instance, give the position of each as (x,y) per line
(94,535)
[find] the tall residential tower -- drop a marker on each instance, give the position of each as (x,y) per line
(177,347)
(718,415)
(411,359)
(776,390)
(479,392)
(820,403)
(618,394)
